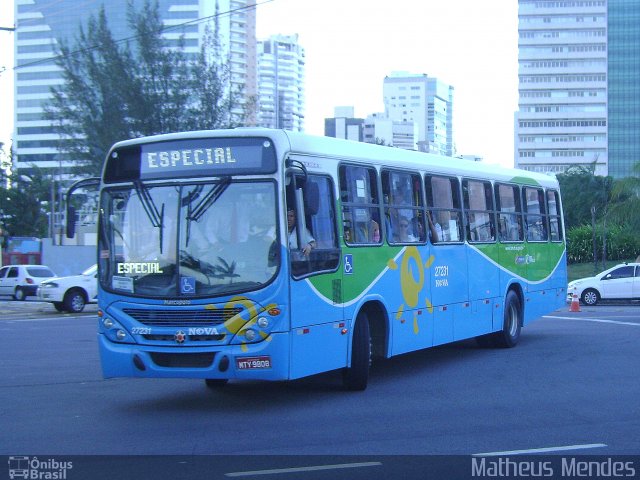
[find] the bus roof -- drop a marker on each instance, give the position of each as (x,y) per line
(348,150)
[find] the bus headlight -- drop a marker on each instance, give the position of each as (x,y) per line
(250,335)
(108,323)
(263,322)
(121,335)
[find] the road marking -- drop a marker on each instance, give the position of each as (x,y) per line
(303,469)
(595,320)
(540,450)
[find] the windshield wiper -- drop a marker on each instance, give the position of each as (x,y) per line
(209,199)
(155,217)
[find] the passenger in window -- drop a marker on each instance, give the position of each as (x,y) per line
(403,232)
(435,230)
(308,242)
(375,232)
(391,222)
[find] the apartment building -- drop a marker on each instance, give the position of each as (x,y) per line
(281,83)
(425,101)
(562,72)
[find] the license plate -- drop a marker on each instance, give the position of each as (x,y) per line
(253,363)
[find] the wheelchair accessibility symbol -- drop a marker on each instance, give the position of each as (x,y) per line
(187,285)
(348,264)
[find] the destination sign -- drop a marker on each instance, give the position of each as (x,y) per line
(194,157)
(207,156)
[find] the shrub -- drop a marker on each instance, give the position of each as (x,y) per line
(622,243)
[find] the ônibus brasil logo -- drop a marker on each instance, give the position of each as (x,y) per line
(35,468)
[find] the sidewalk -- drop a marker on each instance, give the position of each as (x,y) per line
(30,308)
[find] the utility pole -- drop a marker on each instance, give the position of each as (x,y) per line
(593,235)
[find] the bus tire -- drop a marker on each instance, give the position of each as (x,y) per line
(356,377)
(215,383)
(512,325)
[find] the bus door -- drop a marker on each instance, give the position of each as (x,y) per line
(318,343)
(449,279)
(448,262)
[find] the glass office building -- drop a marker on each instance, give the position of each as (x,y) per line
(624,87)
(40,24)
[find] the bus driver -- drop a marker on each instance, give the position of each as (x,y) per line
(305,236)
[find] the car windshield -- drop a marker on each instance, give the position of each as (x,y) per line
(40,272)
(90,271)
(188,240)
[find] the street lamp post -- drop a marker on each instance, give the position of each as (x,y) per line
(593,236)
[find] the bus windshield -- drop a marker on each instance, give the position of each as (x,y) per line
(188,240)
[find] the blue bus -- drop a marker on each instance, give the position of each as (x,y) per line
(259,254)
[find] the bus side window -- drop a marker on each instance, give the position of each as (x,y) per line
(443,201)
(479,209)
(555,223)
(360,209)
(319,208)
(403,207)
(535,214)
(509,212)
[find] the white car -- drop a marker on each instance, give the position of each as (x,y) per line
(71,293)
(21,281)
(621,282)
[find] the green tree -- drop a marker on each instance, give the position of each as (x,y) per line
(607,208)
(625,198)
(216,102)
(24,204)
(582,190)
(118,90)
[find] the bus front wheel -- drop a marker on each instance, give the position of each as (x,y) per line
(356,376)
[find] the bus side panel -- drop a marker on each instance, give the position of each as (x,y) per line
(472,319)
(449,274)
(317,349)
(484,276)
(317,342)
(443,328)
(412,330)
(408,289)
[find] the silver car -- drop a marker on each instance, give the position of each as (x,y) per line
(71,293)
(22,281)
(621,282)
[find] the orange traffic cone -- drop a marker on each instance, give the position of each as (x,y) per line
(575,304)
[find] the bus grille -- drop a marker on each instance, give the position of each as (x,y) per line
(180,318)
(183,360)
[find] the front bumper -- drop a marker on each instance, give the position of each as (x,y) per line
(247,361)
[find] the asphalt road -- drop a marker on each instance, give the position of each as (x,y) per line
(570,387)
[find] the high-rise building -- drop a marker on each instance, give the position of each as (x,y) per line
(40,24)
(281,79)
(425,101)
(344,125)
(380,129)
(624,86)
(562,70)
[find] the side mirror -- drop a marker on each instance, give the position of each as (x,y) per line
(71,221)
(81,186)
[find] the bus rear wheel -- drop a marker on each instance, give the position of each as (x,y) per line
(512,325)
(356,377)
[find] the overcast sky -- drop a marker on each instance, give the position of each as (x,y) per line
(351,45)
